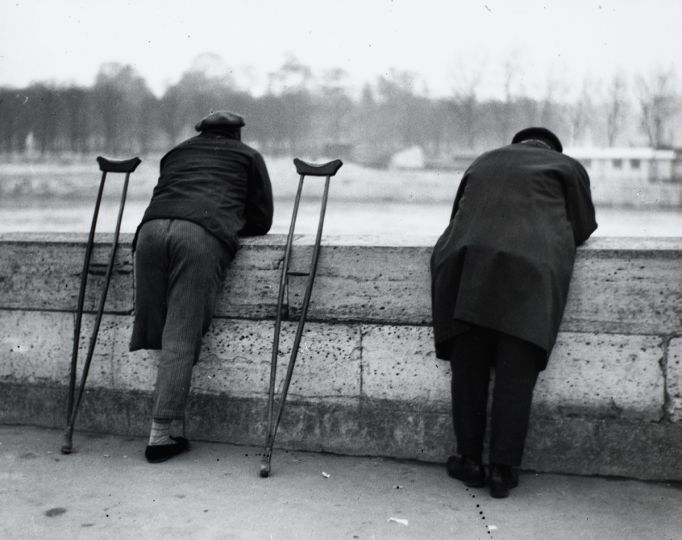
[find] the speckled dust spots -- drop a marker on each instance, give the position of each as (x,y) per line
(480,511)
(57,511)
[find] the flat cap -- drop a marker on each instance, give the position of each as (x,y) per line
(540,133)
(220,120)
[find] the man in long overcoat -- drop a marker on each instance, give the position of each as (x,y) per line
(212,189)
(500,277)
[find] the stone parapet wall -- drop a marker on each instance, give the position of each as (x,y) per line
(367,380)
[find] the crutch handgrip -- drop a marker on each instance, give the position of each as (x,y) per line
(124,166)
(309,169)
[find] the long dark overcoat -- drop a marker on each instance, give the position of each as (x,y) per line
(506,258)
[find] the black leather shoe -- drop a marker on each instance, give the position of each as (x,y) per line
(161,452)
(501,479)
(467,470)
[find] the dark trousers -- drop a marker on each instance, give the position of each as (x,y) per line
(515,362)
(179,268)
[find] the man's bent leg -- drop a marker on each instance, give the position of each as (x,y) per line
(471,358)
(151,285)
(516,372)
(197,264)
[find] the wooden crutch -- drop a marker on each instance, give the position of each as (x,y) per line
(106,166)
(303,169)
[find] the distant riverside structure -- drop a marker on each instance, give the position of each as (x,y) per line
(633,176)
(644,163)
(625,176)
(412,157)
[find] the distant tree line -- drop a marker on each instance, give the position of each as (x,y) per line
(305,113)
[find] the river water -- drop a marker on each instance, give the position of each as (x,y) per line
(59,197)
(412,220)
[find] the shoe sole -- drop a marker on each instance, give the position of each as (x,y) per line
(502,492)
(165,458)
(161,459)
(475,484)
(469,483)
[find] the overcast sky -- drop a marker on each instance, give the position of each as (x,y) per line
(446,42)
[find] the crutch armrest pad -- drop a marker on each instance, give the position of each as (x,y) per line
(124,166)
(309,169)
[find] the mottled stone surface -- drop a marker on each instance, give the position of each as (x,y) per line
(598,375)
(37,347)
(47,275)
(627,292)
(646,450)
(604,375)
(251,283)
(399,363)
(674,379)
(627,286)
(386,284)
(366,380)
(236,360)
(610,447)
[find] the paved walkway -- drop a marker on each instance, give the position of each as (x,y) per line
(106,490)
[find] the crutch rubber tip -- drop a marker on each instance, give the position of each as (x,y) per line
(67,445)
(264,470)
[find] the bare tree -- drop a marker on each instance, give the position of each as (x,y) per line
(336,104)
(288,88)
(617,108)
(504,114)
(120,95)
(581,112)
(213,67)
(292,77)
(76,126)
(657,101)
(43,117)
(15,116)
(550,109)
(467,81)
(401,118)
(208,85)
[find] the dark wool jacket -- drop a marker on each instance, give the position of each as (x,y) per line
(506,258)
(218,182)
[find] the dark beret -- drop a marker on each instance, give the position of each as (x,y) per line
(540,133)
(220,120)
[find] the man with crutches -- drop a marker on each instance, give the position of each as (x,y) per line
(212,189)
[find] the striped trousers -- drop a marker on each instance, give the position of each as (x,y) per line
(179,268)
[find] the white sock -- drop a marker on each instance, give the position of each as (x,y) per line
(160,432)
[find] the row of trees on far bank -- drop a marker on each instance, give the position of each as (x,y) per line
(304,113)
